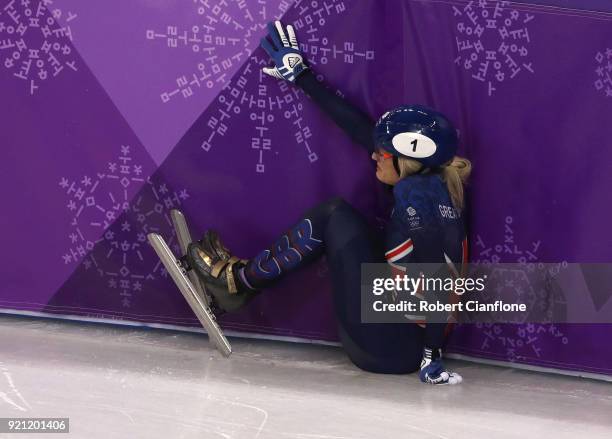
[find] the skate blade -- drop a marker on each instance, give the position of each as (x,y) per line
(184,239)
(201,309)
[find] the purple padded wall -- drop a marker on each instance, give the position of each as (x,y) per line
(113,114)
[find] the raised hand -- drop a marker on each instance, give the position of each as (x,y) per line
(284,50)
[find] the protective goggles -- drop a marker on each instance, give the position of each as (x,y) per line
(382,154)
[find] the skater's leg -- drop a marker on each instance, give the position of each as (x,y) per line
(380,348)
(234,282)
(299,246)
(339,230)
(432,368)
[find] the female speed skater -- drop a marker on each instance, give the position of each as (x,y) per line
(414,149)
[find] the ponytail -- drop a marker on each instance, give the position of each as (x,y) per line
(455,174)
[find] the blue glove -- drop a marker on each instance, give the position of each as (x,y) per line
(434,372)
(288,60)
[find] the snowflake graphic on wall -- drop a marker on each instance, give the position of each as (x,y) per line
(603,83)
(34,47)
(270,103)
(250,92)
(518,340)
(227,33)
(112,212)
(267,102)
(493,41)
(224,33)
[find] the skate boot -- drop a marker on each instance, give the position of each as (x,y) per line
(218,270)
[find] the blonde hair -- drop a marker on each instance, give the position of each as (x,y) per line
(455,173)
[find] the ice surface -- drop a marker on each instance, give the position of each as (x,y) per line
(117,382)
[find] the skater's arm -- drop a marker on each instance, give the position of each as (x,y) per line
(407,233)
(283,48)
(358,125)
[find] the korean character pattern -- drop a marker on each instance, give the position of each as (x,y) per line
(517,341)
(226,33)
(111,215)
(313,15)
(33,45)
(236,26)
(603,72)
(492,39)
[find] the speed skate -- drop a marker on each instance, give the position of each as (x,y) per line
(187,282)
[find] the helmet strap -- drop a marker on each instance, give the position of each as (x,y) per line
(396,165)
(433,170)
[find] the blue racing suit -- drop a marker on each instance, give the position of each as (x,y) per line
(424,227)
